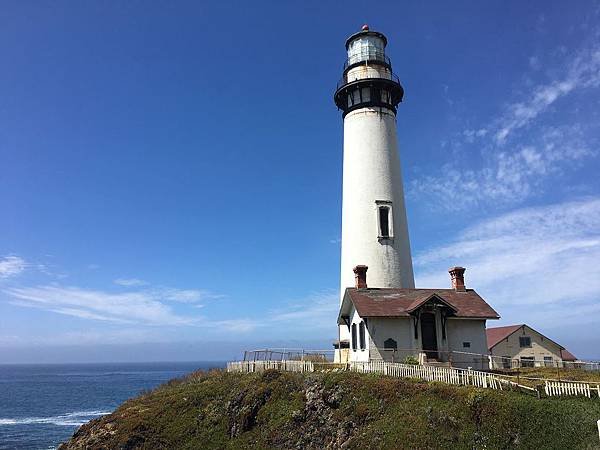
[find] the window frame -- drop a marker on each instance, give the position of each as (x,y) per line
(523,339)
(354,338)
(527,360)
(379,205)
(392,342)
(362,335)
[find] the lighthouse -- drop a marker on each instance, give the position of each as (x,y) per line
(374,224)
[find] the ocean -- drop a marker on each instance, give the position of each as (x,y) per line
(42,405)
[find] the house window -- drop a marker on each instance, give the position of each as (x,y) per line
(354,346)
(390,344)
(527,361)
(384,219)
(548,361)
(466,345)
(361,332)
(524,341)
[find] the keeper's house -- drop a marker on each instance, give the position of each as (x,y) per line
(522,346)
(433,324)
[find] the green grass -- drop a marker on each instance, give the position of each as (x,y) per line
(217,410)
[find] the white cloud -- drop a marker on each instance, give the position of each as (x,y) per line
(11,266)
(583,71)
(508,167)
(317,311)
(128,282)
(186,295)
(531,264)
(170,294)
(128,307)
(236,325)
(507,175)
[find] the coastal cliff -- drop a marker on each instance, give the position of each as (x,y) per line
(214,410)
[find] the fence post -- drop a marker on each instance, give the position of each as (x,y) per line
(598,423)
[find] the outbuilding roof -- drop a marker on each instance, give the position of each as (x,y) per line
(375,302)
(497,334)
(566,355)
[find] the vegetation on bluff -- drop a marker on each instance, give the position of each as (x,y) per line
(337,410)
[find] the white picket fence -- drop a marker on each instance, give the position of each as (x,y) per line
(450,375)
(465,377)
(567,388)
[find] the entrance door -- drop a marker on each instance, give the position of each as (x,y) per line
(428,335)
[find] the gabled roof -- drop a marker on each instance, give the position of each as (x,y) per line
(497,334)
(402,302)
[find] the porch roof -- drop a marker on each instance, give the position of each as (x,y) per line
(373,302)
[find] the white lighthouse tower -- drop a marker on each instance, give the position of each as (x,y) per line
(374,225)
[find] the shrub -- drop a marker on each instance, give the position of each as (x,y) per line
(411,360)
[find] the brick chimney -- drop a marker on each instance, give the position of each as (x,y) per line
(360,277)
(457,275)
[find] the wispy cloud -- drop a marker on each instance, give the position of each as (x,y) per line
(495,163)
(168,293)
(534,263)
(186,295)
(128,307)
(317,311)
(583,71)
(128,282)
(11,266)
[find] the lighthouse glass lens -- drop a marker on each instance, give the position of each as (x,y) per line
(365,48)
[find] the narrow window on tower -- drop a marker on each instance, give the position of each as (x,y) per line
(384,222)
(384,219)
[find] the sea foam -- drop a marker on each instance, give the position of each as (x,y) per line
(74,418)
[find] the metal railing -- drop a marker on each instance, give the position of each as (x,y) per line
(368,76)
(289,354)
(451,358)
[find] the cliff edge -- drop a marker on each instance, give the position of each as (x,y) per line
(216,410)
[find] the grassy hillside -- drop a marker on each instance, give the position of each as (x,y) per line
(337,410)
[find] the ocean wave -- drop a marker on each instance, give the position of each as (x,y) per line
(74,418)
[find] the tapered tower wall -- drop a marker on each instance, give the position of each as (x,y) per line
(372,177)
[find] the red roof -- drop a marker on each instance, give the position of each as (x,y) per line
(495,335)
(401,302)
(566,355)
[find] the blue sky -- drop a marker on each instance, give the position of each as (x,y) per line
(170,173)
